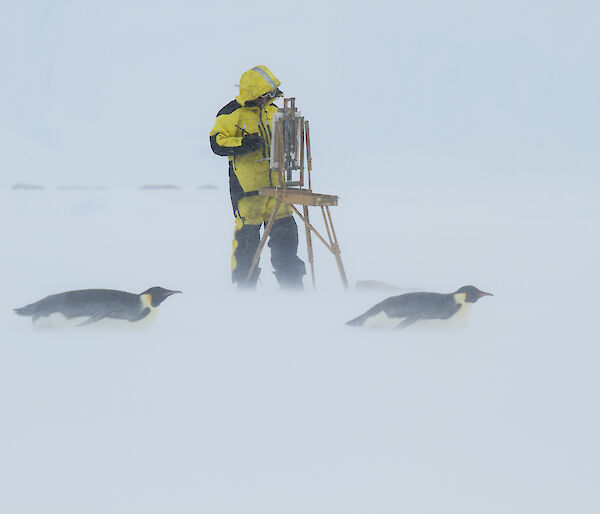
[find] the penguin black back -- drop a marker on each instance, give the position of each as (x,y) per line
(406,309)
(92,305)
(411,306)
(73,304)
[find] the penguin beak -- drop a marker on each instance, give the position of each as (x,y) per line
(483,293)
(172,292)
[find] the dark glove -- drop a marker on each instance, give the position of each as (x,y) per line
(253,142)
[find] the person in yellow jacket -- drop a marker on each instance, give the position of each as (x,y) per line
(242,132)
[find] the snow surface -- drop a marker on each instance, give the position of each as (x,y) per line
(462,140)
(266,402)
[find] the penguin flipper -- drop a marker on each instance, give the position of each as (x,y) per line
(93,319)
(454,310)
(406,322)
(141,315)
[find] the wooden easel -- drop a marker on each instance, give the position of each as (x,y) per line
(289,142)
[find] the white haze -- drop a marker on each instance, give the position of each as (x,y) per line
(462,140)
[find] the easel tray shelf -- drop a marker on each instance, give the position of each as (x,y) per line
(299,196)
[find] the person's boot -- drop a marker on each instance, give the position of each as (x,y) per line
(243,283)
(290,281)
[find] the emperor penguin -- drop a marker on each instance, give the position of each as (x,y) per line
(97,307)
(401,311)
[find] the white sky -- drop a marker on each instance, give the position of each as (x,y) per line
(125,92)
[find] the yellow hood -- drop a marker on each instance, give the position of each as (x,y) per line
(256,82)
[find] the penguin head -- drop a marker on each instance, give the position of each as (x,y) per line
(472,293)
(158,295)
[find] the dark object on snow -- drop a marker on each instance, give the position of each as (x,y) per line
(375,285)
(159,186)
(407,309)
(82,188)
(28,187)
(89,306)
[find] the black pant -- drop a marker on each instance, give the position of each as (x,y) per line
(283,242)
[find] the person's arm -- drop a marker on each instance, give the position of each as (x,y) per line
(231,145)
(226,138)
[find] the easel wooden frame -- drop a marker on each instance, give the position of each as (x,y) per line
(290,142)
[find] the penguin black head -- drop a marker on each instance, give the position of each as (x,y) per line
(158,295)
(472,293)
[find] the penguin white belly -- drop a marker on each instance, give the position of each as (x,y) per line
(383,321)
(57,321)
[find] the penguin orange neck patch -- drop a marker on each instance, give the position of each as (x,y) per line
(147,300)
(460,298)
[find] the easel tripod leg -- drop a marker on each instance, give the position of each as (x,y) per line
(335,247)
(309,247)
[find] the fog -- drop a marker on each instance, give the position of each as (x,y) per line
(463,144)
(126,93)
